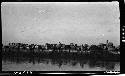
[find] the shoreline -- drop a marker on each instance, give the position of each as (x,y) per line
(97,55)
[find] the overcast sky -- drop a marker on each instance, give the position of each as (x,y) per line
(77,22)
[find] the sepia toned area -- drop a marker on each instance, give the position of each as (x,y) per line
(82,36)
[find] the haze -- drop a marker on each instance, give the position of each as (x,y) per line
(78,22)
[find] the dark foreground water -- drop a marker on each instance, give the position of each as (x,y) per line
(49,64)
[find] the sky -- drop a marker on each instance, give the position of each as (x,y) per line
(54,22)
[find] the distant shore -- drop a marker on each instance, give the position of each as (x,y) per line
(89,54)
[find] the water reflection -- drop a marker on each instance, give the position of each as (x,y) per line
(85,64)
(102,64)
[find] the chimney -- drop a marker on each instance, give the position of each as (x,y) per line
(107,41)
(107,45)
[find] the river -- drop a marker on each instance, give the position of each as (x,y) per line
(49,64)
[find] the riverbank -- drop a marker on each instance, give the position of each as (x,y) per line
(95,54)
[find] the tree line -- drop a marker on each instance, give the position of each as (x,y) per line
(61,47)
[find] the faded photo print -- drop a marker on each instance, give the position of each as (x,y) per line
(60,36)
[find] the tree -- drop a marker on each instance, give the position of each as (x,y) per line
(86,46)
(93,47)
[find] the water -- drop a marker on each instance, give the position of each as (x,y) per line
(49,64)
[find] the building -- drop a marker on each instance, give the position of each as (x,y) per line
(110,46)
(102,45)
